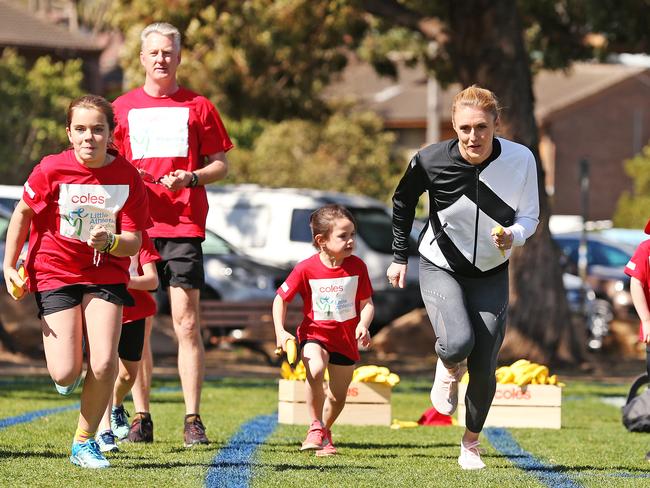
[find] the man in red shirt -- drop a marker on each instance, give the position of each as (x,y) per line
(178,143)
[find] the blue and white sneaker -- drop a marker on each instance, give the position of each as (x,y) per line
(87,455)
(106,441)
(120,422)
(67,390)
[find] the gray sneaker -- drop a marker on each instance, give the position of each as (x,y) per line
(120,422)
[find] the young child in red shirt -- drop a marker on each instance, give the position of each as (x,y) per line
(639,271)
(338,309)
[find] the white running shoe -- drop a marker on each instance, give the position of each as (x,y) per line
(444,392)
(470,456)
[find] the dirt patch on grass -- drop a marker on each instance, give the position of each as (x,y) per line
(406,347)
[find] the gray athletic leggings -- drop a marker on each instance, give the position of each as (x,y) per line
(469,319)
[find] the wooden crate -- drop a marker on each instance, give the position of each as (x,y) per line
(538,406)
(366,404)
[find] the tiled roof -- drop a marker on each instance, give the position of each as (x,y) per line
(20,28)
(401,100)
(404,101)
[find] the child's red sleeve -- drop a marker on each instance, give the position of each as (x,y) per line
(637,267)
(292,285)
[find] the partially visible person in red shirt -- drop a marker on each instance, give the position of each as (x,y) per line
(177,141)
(639,271)
(136,326)
(85,210)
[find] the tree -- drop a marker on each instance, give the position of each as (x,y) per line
(632,209)
(482,41)
(494,43)
(349,152)
(255,58)
(34,105)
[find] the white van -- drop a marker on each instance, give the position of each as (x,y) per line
(272,226)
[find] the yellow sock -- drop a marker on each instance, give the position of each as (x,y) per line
(82,436)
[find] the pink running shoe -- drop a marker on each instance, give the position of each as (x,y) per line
(328,448)
(314,439)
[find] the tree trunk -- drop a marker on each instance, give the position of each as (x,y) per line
(484,41)
(487,48)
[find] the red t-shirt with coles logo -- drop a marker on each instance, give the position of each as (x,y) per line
(69,199)
(331,301)
(639,268)
(145,305)
(161,135)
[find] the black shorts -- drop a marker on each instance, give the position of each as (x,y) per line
(335,357)
(70,296)
(131,340)
(181,262)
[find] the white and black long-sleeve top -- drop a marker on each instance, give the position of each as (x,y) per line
(465,203)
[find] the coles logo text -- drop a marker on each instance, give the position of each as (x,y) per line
(88,198)
(514,393)
(331,289)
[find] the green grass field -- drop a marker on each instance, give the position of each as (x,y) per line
(592,449)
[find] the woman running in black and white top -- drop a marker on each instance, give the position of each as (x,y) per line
(476,183)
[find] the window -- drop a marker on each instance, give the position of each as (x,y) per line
(604,255)
(8,203)
(375,228)
(213,244)
(300,231)
(598,253)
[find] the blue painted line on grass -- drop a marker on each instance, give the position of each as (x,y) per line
(29,416)
(629,475)
(546,474)
(231,467)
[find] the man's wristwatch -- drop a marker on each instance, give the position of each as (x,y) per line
(194,181)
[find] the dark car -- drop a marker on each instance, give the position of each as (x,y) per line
(232,276)
(606,260)
(595,313)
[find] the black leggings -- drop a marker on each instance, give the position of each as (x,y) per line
(468,316)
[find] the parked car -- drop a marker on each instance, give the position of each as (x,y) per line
(230,275)
(631,237)
(606,260)
(596,313)
(272,225)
